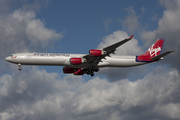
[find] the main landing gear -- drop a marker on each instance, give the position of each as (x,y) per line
(92,70)
(90,73)
(19,67)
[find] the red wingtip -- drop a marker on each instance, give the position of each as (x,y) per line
(131,36)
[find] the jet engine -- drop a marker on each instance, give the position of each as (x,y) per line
(68,70)
(79,72)
(97,53)
(77,61)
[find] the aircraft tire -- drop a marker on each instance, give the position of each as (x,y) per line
(92,74)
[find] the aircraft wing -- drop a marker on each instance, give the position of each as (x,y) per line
(94,60)
(110,49)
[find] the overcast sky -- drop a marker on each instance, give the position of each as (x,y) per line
(149,92)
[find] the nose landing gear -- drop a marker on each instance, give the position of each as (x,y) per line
(19,67)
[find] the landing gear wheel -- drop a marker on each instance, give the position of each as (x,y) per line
(19,67)
(95,69)
(92,74)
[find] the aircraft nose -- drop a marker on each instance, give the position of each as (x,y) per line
(7,58)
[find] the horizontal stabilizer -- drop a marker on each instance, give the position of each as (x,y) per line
(161,55)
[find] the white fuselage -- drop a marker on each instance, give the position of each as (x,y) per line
(60,59)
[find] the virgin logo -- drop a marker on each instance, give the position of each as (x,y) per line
(154,51)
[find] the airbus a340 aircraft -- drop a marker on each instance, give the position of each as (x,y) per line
(80,64)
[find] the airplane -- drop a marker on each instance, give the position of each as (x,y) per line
(80,64)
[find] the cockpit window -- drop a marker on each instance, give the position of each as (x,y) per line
(11,55)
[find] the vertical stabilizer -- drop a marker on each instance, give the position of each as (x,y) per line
(153,51)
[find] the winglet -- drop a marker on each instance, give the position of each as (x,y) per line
(131,36)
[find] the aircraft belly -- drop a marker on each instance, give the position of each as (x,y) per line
(124,63)
(103,64)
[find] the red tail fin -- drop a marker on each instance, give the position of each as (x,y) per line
(153,51)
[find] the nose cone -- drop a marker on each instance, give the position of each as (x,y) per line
(7,58)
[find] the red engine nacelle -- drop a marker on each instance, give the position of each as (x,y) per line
(68,70)
(97,53)
(79,72)
(77,61)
